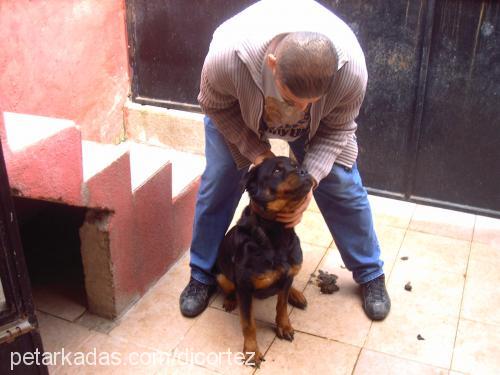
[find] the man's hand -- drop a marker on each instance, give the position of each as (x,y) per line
(266,155)
(291,219)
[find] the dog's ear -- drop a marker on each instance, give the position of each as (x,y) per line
(257,193)
(249,182)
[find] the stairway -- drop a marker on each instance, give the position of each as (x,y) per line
(139,199)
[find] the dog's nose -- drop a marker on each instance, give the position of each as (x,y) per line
(302,172)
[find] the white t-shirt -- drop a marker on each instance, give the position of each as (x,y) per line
(280,119)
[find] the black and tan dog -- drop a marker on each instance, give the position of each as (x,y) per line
(259,256)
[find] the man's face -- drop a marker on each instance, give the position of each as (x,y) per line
(291,99)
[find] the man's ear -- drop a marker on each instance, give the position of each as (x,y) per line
(271,61)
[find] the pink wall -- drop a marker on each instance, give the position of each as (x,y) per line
(66,59)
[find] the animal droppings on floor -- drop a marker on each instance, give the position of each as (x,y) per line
(408,286)
(327,282)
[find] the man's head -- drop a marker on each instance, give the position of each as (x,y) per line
(303,65)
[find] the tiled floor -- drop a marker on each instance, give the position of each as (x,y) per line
(452,264)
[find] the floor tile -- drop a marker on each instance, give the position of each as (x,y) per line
(58,300)
(437,252)
(485,253)
(397,335)
(371,362)
(393,212)
(443,222)
(390,240)
(487,231)
(219,332)
(337,316)
(312,229)
(58,334)
(308,354)
(155,321)
(177,277)
(482,295)
(96,323)
(108,355)
(178,367)
(313,206)
(476,349)
(438,293)
(312,256)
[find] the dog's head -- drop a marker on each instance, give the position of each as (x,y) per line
(277,185)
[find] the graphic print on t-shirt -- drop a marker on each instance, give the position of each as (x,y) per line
(283,120)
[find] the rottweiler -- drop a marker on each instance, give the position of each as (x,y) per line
(259,256)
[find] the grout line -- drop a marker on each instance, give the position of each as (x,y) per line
(357,359)
(61,318)
(462,299)
(82,314)
(474,228)
(412,215)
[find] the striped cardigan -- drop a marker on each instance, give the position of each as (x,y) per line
(231,83)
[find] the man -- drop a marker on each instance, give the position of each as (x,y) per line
(291,70)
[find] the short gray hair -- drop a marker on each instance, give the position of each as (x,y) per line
(306,63)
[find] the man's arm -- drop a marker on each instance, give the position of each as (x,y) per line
(338,126)
(218,100)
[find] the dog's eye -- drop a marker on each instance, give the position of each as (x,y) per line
(277,170)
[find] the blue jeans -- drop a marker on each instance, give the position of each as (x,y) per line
(340,196)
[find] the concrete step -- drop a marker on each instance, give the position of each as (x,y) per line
(106,175)
(185,171)
(43,157)
(146,227)
(179,130)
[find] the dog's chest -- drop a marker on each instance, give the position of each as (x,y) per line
(275,276)
(282,261)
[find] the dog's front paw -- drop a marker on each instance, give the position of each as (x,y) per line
(285,332)
(253,356)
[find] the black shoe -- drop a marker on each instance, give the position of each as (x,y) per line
(194,298)
(376,301)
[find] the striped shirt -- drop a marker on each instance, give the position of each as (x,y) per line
(231,88)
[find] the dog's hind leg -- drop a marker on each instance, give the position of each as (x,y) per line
(296,298)
(230,302)
(228,288)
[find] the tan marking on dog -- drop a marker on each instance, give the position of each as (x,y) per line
(226,285)
(276,205)
(266,279)
(294,270)
(297,298)
(283,201)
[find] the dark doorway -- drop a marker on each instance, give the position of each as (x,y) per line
(51,242)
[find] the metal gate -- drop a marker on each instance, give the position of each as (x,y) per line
(21,350)
(429,129)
